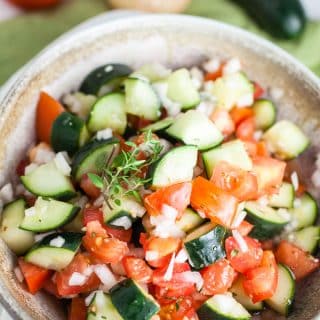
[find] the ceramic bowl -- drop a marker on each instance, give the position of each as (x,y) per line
(174,41)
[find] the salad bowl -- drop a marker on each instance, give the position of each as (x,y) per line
(171,40)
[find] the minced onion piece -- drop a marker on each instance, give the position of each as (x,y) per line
(57,242)
(104,134)
(43,155)
(18,273)
(88,271)
(105,275)
(232,66)
(295,180)
(169,272)
(211,65)
(152,255)
(40,236)
(89,298)
(182,256)
(191,276)
(169,212)
(240,241)
(245,101)
(263,201)
(257,135)
(77,279)
(124,222)
(240,215)
(6,193)
(62,164)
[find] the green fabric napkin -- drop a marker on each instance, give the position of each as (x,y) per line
(22,37)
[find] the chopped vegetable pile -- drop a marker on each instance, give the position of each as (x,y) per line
(163,195)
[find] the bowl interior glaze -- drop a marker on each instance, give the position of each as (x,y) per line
(171,40)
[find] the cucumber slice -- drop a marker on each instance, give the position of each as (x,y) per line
(19,241)
(182,90)
(159,125)
(108,112)
(48,215)
(267,221)
(306,213)
(284,198)
(240,295)
(141,99)
(69,133)
(222,307)
(195,128)
(282,300)
(306,239)
(233,152)
(189,220)
(93,156)
(132,302)
(175,166)
(48,181)
(286,140)
(205,245)
(45,255)
(231,89)
(110,75)
(264,114)
(101,308)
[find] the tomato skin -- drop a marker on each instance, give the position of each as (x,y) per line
(176,196)
(218,205)
(79,264)
(246,128)
(300,262)
(240,183)
(181,308)
(21,167)
(261,283)
(137,269)
(258,90)
(243,261)
(269,172)
(48,109)
(217,278)
(211,76)
(35,4)
(119,233)
(240,114)
(88,187)
(34,276)
(78,309)
(91,213)
(223,121)
(244,228)
(50,286)
(101,246)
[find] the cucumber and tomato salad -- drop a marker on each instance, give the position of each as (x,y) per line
(184,231)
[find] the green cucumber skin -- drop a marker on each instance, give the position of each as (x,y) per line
(66,133)
(206,313)
(201,250)
(99,77)
(129,302)
(276,16)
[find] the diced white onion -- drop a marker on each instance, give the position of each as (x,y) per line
(295,180)
(88,271)
(57,242)
(196,77)
(43,155)
(211,65)
(169,212)
(240,241)
(62,164)
(245,101)
(240,216)
(40,236)
(169,272)
(206,107)
(202,214)
(104,134)
(232,66)
(263,201)
(77,279)
(18,273)
(30,212)
(182,256)
(89,298)
(191,276)
(105,276)
(257,135)
(124,222)
(152,255)
(166,146)
(6,193)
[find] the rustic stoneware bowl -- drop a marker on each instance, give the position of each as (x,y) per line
(171,40)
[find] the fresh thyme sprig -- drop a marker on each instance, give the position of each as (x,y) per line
(125,174)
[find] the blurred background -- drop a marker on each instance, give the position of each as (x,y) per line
(27,26)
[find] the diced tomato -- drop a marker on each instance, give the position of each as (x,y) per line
(119,233)
(258,90)
(92,214)
(300,262)
(269,172)
(240,114)
(35,4)
(48,109)
(34,276)
(179,309)
(211,76)
(244,228)
(246,128)
(51,287)
(79,264)
(176,196)
(223,121)
(21,167)
(163,247)
(238,182)
(78,309)
(242,261)
(217,278)
(251,147)
(261,283)
(137,269)
(100,245)
(88,187)
(267,244)
(217,204)
(262,150)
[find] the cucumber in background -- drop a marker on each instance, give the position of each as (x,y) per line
(281,18)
